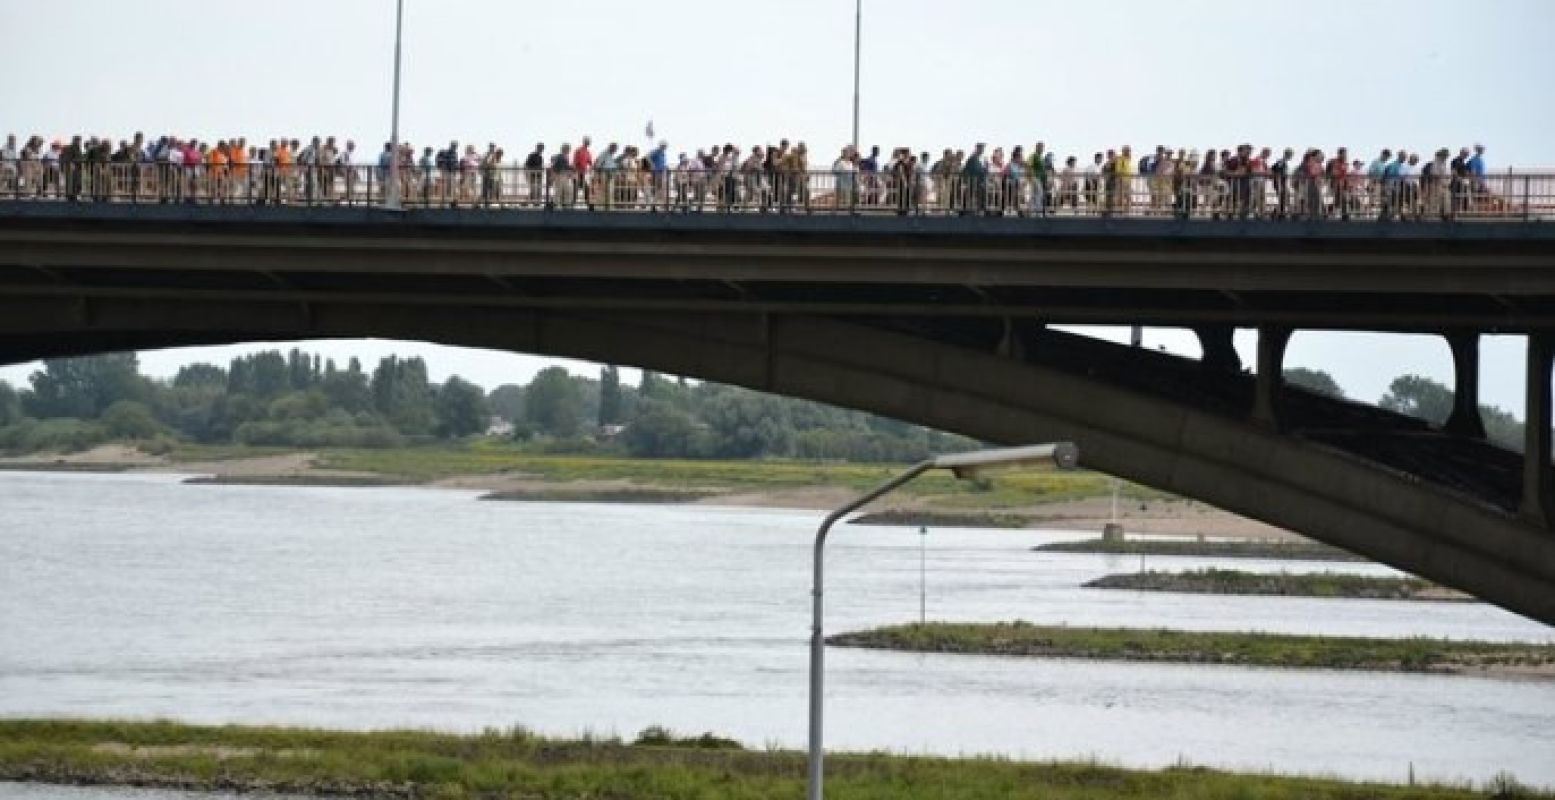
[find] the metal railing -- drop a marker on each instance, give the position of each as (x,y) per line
(1509,196)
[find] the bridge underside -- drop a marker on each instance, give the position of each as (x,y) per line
(924,332)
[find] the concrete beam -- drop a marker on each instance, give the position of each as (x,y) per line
(1219,345)
(1538,506)
(1272,342)
(1466,419)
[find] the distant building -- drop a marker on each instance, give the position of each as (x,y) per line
(499,427)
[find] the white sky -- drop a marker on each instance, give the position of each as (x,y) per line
(1081,76)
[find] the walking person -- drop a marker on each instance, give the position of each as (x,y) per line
(534,174)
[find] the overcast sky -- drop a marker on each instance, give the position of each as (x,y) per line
(1081,76)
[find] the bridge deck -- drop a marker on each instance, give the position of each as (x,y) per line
(1360,275)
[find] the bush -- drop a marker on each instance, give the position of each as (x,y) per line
(660,736)
(315,433)
(128,419)
(61,434)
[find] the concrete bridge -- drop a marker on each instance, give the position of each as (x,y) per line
(943,321)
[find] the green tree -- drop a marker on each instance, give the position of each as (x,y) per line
(749,425)
(85,387)
(347,390)
(611,406)
(1314,380)
(190,409)
(1432,401)
(1503,428)
(1420,397)
(403,395)
(300,372)
(461,409)
(651,385)
(10,405)
(507,402)
(553,403)
(129,419)
(199,376)
(663,431)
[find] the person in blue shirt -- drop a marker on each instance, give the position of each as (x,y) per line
(1392,185)
(1476,167)
(658,161)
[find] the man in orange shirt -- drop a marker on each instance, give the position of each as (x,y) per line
(237,156)
(283,171)
(216,172)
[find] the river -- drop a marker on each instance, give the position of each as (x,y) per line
(138,596)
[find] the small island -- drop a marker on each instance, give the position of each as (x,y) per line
(1282,584)
(1245,649)
(1287,550)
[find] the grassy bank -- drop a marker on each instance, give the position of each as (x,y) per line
(1208,548)
(1189,647)
(519,764)
(1320,584)
(428,463)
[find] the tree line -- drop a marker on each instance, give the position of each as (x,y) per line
(1419,397)
(298,399)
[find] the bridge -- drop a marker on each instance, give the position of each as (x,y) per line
(939,319)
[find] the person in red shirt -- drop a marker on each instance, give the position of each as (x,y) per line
(1338,171)
(1258,167)
(582,165)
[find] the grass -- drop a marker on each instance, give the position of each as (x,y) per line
(1191,647)
(1318,584)
(517,763)
(432,462)
(1210,548)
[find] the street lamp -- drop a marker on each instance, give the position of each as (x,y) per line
(966,466)
(391,188)
(858,50)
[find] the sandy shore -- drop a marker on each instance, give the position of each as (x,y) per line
(1152,518)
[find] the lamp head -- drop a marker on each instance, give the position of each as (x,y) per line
(977,464)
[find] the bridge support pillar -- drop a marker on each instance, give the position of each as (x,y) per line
(1466,419)
(1219,346)
(1272,341)
(1538,503)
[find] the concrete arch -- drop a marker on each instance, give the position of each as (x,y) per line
(1232,463)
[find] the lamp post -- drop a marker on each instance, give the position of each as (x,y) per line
(858,49)
(923,574)
(391,188)
(966,466)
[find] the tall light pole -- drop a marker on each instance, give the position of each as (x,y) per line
(923,575)
(966,466)
(858,49)
(391,189)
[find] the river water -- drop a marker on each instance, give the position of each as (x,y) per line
(139,596)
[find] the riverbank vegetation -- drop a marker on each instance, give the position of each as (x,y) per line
(1319,584)
(1291,550)
(659,764)
(298,399)
(301,400)
(1194,647)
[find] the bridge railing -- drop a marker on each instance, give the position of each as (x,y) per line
(1510,196)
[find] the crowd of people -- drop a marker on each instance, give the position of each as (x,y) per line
(1244,182)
